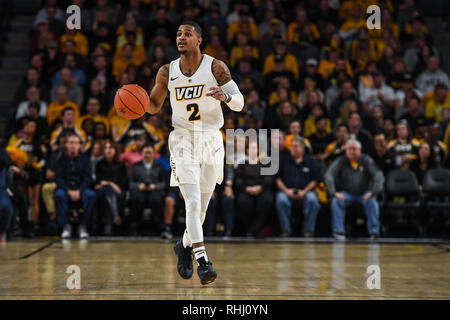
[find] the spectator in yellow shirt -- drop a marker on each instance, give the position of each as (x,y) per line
(237,52)
(290,61)
(353,24)
(302,29)
(81,41)
(125,55)
(346,8)
(129,26)
(244,24)
(364,50)
(440,101)
(62,102)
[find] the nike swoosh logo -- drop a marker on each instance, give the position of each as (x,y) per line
(217,150)
(171,79)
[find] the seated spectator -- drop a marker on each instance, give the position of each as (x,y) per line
(256,107)
(354,178)
(49,184)
(354,21)
(284,92)
(356,131)
(413,115)
(254,194)
(80,40)
(295,130)
(424,161)
(74,91)
(33,96)
(438,148)
(54,112)
(42,37)
(6,207)
(237,51)
(382,157)
(439,101)
(130,25)
(244,19)
(404,148)
(309,97)
(78,75)
(88,127)
(67,125)
(33,114)
(317,110)
(133,153)
(124,56)
(296,179)
(302,30)
(280,54)
(33,79)
(432,76)
(93,109)
(73,180)
(321,138)
(379,94)
(95,155)
(110,186)
(103,37)
(43,13)
(347,93)
(136,127)
(311,71)
(158,58)
(364,50)
(172,201)
(337,148)
(146,76)
(147,182)
(35,151)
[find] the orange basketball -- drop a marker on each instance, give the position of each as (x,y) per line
(131,101)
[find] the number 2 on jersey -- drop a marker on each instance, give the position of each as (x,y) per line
(195,115)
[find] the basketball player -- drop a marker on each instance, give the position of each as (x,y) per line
(197,84)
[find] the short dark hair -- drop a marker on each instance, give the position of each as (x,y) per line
(342,125)
(194,24)
(320,118)
(148,145)
(66,109)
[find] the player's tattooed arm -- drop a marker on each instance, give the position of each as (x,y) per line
(223,76)
(221,72)
(159,91)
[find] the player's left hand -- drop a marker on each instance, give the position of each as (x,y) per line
(216,93)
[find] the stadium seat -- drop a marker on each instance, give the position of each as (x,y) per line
(402,193)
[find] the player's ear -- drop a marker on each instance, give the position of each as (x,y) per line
(200,40)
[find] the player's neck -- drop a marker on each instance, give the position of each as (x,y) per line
(190,61)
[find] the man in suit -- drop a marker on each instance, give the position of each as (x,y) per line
(147,181)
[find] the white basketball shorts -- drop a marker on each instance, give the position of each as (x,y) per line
(196,157)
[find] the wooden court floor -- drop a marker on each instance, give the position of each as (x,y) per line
(36,269)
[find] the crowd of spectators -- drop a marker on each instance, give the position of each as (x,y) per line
(347,100)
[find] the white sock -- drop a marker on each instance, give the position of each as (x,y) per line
(200,252)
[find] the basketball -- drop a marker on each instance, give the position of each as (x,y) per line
(131,101)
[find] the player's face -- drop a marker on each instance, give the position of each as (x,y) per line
(187,39)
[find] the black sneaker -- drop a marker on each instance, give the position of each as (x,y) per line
(184,266)
(205,271)
(167,233)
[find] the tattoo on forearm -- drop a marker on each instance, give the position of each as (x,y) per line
(221,72)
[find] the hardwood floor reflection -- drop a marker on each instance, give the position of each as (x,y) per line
(147,270)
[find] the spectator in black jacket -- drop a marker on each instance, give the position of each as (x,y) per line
(73,183)
(254,194)
(111,182)
(147,182)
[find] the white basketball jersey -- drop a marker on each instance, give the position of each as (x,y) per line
(191,108)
